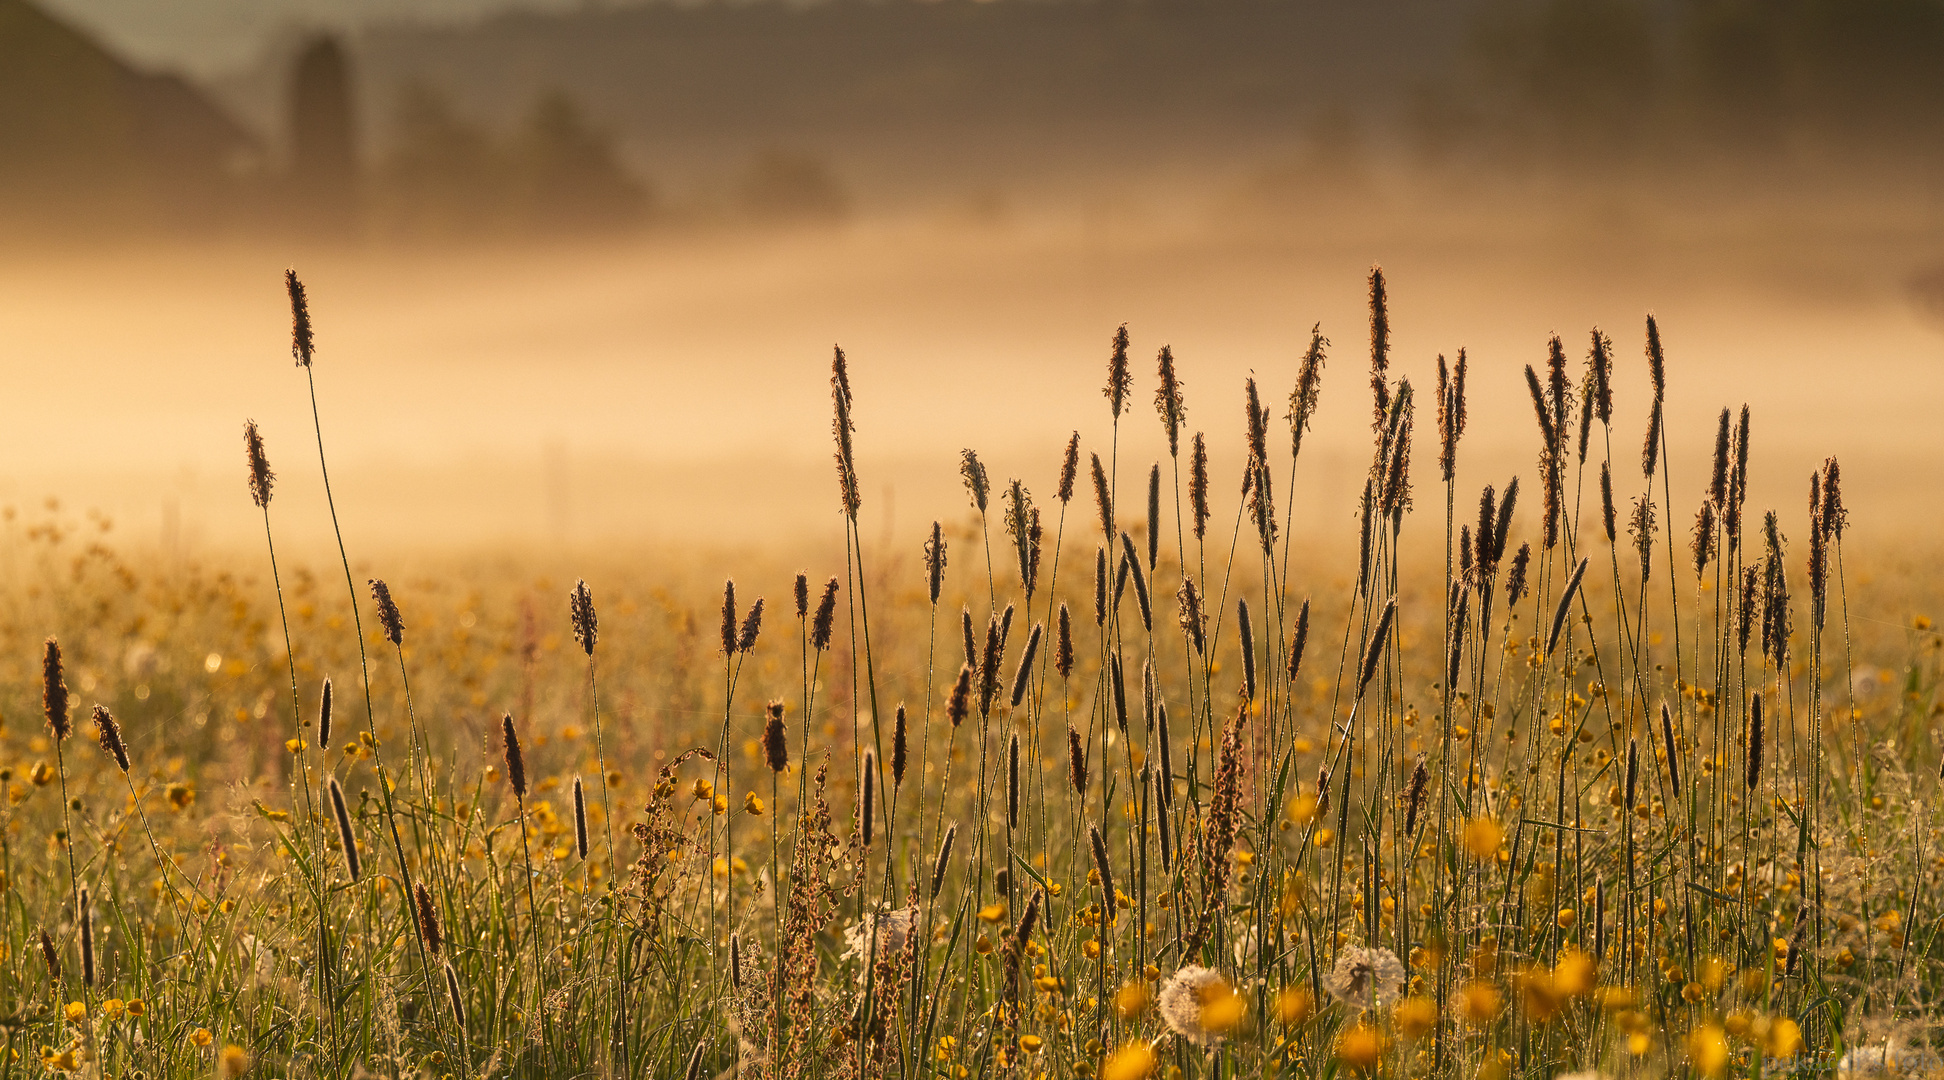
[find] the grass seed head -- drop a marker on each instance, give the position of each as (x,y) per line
(261,478)
(1657,375)
(899,751)
(427,914)
(844,429)
(752,627)
(729,635)
(1063,656)
(1198,486)
(1558,393)
(959,705)
(1704,534)
(1103,499)
(1565,606)
(54,691)
(1379,345)
(1642,531)
(111,737)
(1375,651)
(995,644)
(580,819)
(1021,678)
(867,798)
(1012,783)
(971,640)
(456,998)
(1189,614)
(302,342)
(1718,479)
(1835,518)
(974,475)
(1673,753)
(1608,521)
(1754,740)
(516,774)
(1168,399)
(776,746)
(943,860)
(50,956)
(1100,586)
(324,717)
(1515,580)
(388,618)
(1502,528)
(934,568)
(587,626)
(1309,385)
(825,621)
(1414,801)
(1246,626)
(1119,378)
(1131,561)
(1069,469)
(1105,869)
(347,842)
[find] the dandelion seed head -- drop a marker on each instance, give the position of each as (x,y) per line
(1366,978)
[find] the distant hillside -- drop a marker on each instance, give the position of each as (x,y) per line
(949,88)
(85,133)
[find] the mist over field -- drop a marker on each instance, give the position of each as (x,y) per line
(676,388)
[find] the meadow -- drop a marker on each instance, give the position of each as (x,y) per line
(1105,777)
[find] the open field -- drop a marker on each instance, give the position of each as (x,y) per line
(1154,764)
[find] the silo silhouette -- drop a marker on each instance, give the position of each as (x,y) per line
(323,140)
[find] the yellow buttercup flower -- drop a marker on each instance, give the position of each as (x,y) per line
(1784,1038)
(1294,1005)
(1415,1017)
(1480,1004)
(1707,1048)
(1134,1061)
(1483,837)
(1360,1048)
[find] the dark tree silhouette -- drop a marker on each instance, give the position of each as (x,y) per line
(323,137)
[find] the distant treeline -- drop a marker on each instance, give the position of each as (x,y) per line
(1750,80)
(927,87)
(441,175)
(612,117)
(917,90)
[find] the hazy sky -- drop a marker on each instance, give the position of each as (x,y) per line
(204,37)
